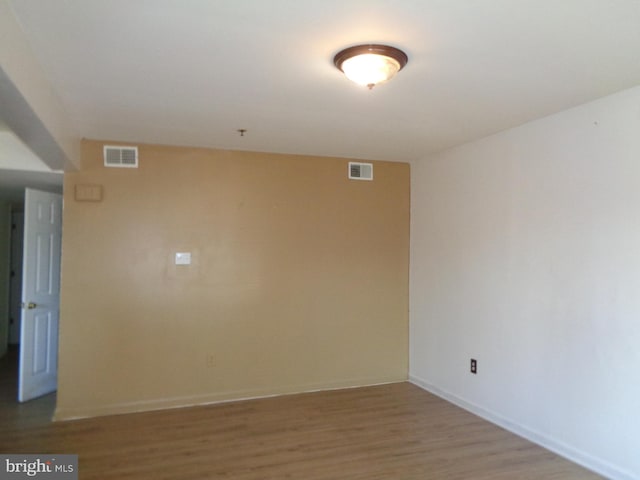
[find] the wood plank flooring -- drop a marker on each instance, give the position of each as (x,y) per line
(395,431)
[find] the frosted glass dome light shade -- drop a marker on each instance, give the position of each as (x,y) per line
(369,65)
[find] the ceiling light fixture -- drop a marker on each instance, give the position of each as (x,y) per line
(369,65)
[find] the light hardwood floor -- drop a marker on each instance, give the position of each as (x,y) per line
(392,431)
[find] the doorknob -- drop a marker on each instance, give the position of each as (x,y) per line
(31,305)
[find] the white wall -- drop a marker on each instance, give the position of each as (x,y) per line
(15,155)
(525,254)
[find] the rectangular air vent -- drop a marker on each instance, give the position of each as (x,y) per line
(360,171)
(119,156)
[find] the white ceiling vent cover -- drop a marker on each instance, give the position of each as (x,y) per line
(119,156)
(360,171)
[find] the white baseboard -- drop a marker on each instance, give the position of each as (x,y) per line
(581,458)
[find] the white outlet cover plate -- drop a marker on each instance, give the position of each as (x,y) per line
(183,258)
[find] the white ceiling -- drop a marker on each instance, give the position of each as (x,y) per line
(192,72)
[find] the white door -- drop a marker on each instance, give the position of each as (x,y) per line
(40,294)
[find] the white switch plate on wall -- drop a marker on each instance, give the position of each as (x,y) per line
(183,258)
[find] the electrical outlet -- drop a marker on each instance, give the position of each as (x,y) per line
(474,366)
(211,360)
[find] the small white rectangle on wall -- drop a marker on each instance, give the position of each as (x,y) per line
(183,258)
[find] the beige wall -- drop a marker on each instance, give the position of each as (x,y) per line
(299,279)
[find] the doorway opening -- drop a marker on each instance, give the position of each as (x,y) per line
(31,273)
(15,274)
(38,412)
